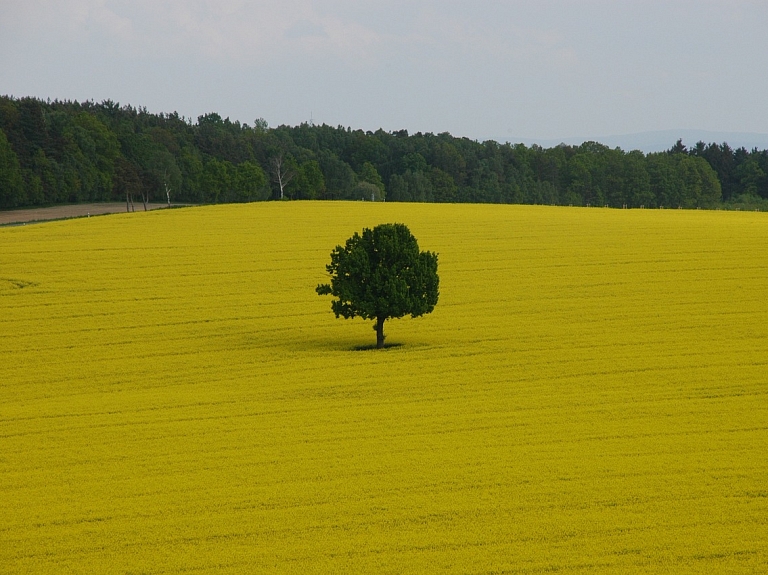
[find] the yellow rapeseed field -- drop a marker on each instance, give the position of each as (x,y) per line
(590,395)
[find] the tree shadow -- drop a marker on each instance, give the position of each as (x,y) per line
(373,347)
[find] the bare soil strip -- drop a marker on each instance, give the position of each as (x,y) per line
(67,211)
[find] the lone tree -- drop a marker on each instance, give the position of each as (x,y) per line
(382,274)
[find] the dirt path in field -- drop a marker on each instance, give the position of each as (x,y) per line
(69,211)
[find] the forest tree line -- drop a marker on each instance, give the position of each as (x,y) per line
(66,152)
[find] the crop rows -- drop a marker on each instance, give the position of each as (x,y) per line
(590,395)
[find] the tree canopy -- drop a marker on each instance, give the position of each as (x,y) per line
(381,274)
(63,151)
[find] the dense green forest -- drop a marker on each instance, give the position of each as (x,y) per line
(61,152)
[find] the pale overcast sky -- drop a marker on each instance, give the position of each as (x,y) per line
(503,69)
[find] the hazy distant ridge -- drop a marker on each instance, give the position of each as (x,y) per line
(657,141)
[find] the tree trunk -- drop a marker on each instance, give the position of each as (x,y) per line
(282,177)
(167,189)
(379,332)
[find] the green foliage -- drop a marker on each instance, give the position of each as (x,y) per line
(11,182)
(679,180)
(127,179)
(443,186)
(411,187)
(70,151)
(249,183)
(370,175)
(101,148)
(216,179)
(751,176)
(340,179)
(190,165)
(369,192)
(309,182)
(381,274)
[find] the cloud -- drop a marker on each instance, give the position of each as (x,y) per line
(305,29)
(541,68)
(243,33)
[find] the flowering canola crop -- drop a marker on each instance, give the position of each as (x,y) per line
(590,395)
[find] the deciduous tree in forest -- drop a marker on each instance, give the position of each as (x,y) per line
(11,182)
(369,175)
(310,182)
(283,172)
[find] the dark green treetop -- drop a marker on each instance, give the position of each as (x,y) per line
(382,274)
